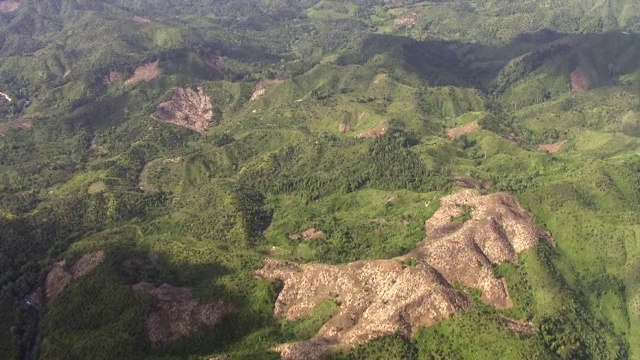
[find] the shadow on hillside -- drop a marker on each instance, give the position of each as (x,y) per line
(604,57)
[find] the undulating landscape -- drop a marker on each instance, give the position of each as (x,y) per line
(319,179)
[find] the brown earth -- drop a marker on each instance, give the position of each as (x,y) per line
(21,123)
(9,6)
(373,133)
(261,88)
(462,130)
(141,19)
(579,80)
(216,62)
(58,278)
(176,314)
(112,77)
(343,128)
(383,297)
(145,72)
(471,183)
(552,148)
(407,20)
(307,235)
(188,107)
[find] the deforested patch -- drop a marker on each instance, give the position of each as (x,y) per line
(579,80)
(261,88)
(552,148)
(466,237)
(462,130)
(145,72)
(58,278)
(9,6)
(140,19)
(307,235)
(375,132)
(188,107)
(111,77)
(176,314)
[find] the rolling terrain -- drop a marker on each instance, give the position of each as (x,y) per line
(317,179)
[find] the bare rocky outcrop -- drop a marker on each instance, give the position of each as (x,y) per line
(375,132)
(307,235)
(189,108)
(176,314)
(261,88)
(407,20)
(552,148)
(579,80)
(141,19)
(468,234)
(145,72)
(58,278)
(112,77)
(9,6)
(462,130)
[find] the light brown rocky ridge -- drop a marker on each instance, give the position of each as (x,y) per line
(189,108)
(468,234)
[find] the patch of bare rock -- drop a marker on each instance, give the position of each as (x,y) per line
(188,107)
(141,19)
(552,148)
(462,130)
(261,88)
(383,297)
(58,278)
(112,77)
(145,72)
(375,132)
(307,235)
(176,314)
(9,6)
(408,20)
(579,80)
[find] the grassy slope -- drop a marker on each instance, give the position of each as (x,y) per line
(209,228)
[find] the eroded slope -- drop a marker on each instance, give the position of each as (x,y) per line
(467,234)
(188,107)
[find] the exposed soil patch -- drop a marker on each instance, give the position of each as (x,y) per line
(407,20)
(216,62)
(552,148)
(176,314)
(519,326)
(188,107)
(9,6)
(579,80)
(383,297)
(361,115)
(261,88)
(112,77)
(471,183)
(343,128)
(307,235)
(58,278)
(377,131)
(145,72)
(21,123)
(141,19)
(462,130)
(97,148)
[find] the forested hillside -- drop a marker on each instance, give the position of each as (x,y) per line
(299,179)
